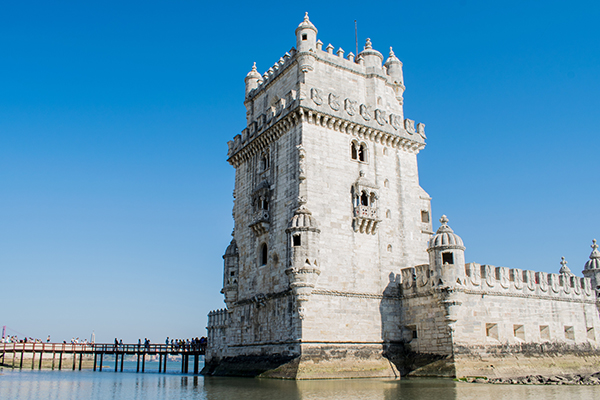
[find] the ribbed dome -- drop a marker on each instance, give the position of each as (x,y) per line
(303,219)
(445,237)
(253,74)
(232,249)
(306,24)
(594,261)
(392,59)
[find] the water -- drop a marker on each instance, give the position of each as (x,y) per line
(80,385)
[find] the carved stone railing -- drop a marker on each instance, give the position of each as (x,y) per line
(365,219)
(261,222)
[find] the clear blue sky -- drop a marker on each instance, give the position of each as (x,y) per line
(115,193)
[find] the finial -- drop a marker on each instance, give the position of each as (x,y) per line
(444,220)
(392,52)
(254,66)
(564,269)
(594,246)
(368,44)
(306,16)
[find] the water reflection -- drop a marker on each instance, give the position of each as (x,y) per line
(51,385)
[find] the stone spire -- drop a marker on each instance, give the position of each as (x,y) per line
(564,269)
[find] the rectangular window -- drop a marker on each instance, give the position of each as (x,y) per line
(519,331)
(591,334)
(447,258)
(424,216)
(569,333)
(544,332)
(296,240)
(410,332)
(491,331)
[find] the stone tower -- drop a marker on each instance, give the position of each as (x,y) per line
(327,210)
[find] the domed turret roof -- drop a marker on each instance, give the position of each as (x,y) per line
(445,237)
(253,74)
(306,24)
(594,261)
(392,59)
(232,249)
(303,218)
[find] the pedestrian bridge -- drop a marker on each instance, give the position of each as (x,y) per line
(16,355)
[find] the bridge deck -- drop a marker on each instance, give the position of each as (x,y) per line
(98,350)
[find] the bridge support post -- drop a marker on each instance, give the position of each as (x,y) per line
(41,355)
(143,361)
(101,358)
(165,361)
(95,359)
(196,363)
(80,359)
(160,362)
(122,359)
(21,364)
(32,357)
(60,360)
(138,362)
(116,361)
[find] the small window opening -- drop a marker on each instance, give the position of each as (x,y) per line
(386,183)
(544,332)
(354,151)
(425,216)
(364,199)
(389,248)
(263,255)
(264,204)
(304,37)
(232,273)
(296,240)
(388,214)
(447,258)
(590,334)
(385,151)
(362,153)
(264,163)
(519,331)
(411,332)
(491,331)
(569,333)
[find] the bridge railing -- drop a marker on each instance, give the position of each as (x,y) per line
(100,347)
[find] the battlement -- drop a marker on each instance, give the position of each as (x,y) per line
(217,319)
(488,279)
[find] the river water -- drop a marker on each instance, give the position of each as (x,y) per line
(80,385)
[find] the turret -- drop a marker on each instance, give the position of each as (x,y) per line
(303,242)
(230,273)
(252,80)
(592,267)
(394,68)
(447,255)
(306,35)
(370,57)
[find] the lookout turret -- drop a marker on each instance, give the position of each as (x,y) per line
(306,35)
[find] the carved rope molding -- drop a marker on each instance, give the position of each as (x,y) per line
(324,292)
(291,119)
(520,295)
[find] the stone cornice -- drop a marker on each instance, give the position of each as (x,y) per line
(315,117)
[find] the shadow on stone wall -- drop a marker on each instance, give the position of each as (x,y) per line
(395,347)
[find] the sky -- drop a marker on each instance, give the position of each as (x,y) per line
(115,192)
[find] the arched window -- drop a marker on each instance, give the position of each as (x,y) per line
(364,199)
(264,162)
(264,253)
(354,150)
(362,153)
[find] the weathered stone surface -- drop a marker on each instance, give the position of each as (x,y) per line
(334,269)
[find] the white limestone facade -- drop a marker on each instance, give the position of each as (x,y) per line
(333,270)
